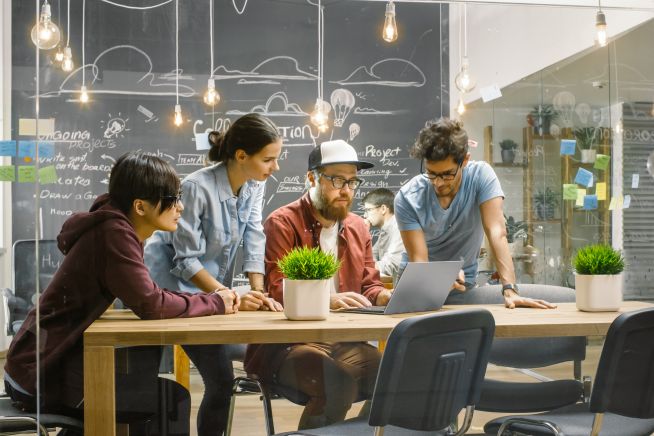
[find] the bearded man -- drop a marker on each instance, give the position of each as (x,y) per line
(332,375)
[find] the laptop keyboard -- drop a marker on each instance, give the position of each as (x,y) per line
(368,309)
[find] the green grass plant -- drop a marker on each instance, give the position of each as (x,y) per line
(304,263)
(598,259)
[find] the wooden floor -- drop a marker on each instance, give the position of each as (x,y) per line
(249,420)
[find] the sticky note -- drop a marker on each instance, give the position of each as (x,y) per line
(46,149)
(7,148)
(590,202)
(202,141)
(601,162)
(600,191)
(490,93)
(613,203)
(26,149)
(568,146)
(584,177)
(581,193)
(27,126)
(7,173)
(569,191)
(26,174)
(635,180)
(47,175)
(627,202)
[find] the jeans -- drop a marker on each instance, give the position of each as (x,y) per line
(214,363)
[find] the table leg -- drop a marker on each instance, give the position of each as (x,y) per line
(99,391)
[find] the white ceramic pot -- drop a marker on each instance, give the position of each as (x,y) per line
(598,293)
(588,156)
(306,299)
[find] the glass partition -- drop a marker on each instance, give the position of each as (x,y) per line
(571,142)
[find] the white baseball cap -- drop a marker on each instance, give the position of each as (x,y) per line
(335,152)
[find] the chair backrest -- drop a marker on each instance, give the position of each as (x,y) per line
(432,368)
(624,383)
(528,352)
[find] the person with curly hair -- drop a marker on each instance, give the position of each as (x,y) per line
(444,212)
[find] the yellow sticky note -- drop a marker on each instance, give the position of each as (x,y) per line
(614,201)
(581,193)
(619,202)
(600,191)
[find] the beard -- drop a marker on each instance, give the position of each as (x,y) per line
(329,211)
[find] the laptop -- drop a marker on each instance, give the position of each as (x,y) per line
(423,287)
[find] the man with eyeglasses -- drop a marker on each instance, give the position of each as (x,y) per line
(332,375)
(444,212)
(379,211)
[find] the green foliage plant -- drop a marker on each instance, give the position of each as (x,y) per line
(514,229)
(598,259)
(586,137)
(545,111)
(304,263)
(508,144)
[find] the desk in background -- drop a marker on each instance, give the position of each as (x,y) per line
(101,338)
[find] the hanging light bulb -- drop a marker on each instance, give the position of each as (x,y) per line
(211,96)
(45,34)
(67,64)
(84,95)
(618,127)
(461,108)
(390,26)
(59,56)
(178,115)
(600,27)
(320,115)
(464,81)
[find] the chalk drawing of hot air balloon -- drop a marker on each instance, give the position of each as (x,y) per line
(354,130)
(342,102)
(564,103)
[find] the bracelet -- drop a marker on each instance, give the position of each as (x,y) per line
(511,286)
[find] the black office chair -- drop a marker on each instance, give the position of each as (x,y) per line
(431,369)
(527,353)
(13,421)
(622,401)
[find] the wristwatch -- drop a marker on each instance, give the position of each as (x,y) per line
(511,286)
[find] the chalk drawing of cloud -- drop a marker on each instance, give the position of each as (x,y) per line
(277,105)
(392,72)
(121,82)
(272,69)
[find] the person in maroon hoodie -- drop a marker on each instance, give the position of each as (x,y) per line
(103,261)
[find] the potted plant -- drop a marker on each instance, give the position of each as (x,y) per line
(598,278)
(508,150)
(586,137)
(545,203)
(307,273)
(515,230)
(541,118)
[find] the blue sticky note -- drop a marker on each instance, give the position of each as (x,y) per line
(7,148)
(568,146)
(26,149)
(590,202)
(584,178)
(46,149)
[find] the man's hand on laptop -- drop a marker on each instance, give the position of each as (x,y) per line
(345,300)
(460,282)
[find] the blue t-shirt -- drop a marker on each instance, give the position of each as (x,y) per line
(452,233)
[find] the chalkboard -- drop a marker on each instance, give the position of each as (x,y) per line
(266,58)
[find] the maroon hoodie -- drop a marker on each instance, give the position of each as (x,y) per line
(104,261)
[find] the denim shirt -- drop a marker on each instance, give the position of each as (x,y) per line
(212,225)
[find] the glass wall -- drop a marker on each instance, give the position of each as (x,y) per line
(571,139)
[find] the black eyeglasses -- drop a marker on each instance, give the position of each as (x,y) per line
(367,210)
(446,177)
(172,199)
(338,182)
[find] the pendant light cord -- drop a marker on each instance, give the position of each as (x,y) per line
(83,43)
(68,25)
(211,33)
(176,51)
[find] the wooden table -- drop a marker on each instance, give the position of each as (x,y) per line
(101,338)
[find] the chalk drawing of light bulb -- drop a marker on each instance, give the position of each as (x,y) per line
(583,112)
(564,103)
(342,102)
(115,126)
(354,130)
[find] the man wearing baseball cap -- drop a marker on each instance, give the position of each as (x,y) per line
(332,375)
